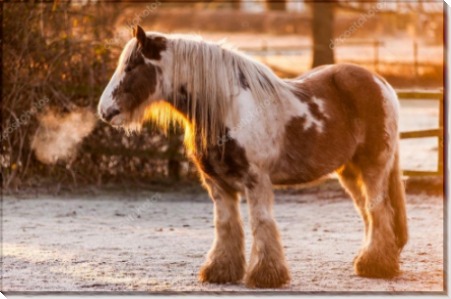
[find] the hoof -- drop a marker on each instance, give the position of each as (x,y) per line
(372,265)
(267,274)
(222,271)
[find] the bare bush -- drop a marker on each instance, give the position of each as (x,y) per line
(57,60)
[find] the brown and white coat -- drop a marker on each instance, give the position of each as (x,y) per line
(246,129)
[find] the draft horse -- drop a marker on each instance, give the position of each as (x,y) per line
(246,129)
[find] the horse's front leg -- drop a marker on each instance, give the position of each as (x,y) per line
(226,260)
(267,266)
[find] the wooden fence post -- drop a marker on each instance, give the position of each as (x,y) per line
(440,137)
(415,59)
(173,162)
(376,55)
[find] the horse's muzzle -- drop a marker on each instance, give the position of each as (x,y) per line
(110,113)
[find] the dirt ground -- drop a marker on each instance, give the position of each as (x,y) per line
(156,242)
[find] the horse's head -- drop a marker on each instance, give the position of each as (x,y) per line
(135,83)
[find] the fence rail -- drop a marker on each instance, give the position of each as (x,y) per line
(265,50)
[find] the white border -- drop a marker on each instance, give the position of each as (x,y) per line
(447,202)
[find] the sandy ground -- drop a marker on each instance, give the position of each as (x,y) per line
(156,242)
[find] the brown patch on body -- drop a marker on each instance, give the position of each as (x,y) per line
(316,112)
(353,128)
(308,154)
(225,164)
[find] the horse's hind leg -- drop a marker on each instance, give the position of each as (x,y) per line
(398,202)
(351,179)
(226,260)
(379,257)
(267,266)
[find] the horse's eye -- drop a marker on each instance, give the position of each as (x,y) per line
(128,68)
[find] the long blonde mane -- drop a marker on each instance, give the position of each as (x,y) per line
(210,73)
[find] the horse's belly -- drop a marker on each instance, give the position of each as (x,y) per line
(308,155)
(289,172)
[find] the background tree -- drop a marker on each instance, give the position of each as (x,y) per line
(280,5)
(322,27)
(236,4)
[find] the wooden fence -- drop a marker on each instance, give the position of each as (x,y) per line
(265,50)
(438,132)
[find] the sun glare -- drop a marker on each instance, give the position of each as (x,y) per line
(167,118)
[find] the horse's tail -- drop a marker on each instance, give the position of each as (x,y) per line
(397,200)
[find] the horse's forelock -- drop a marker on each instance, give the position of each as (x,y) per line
(129,50)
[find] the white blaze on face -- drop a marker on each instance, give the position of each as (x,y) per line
(106,100)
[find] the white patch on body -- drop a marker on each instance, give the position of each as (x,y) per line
(297,108)
(260,126)
(303,110)
(248,125)
(320,103)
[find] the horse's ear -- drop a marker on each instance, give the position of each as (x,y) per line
(140,35)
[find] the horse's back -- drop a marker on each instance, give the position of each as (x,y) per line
(351,82)
(364,96)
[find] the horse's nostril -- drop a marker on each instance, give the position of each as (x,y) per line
(110,113)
